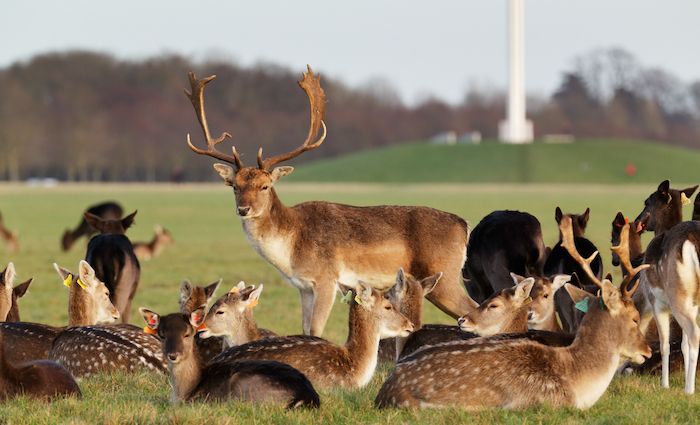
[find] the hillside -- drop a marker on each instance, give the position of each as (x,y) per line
(589,161)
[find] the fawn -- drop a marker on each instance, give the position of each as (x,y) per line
(9,308)
(147,250)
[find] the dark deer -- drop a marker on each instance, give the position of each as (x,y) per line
(37,379)
(696,208)
(253,381)
(9,294)
(672,282)
(105,210)
(560,261)
(518,373)
(112,256)
(327,365)
(11,238)
(316,244)
(503,242)
(147,250)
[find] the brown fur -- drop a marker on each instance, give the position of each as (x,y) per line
(11,238)
(578,221)
(542,311)
(147,250)
(106,210)
(9,295)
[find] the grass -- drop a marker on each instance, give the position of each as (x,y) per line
(588,161)
(210,244)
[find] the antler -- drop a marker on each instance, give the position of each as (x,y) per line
(567,242)
(317,102)
(623,251)
(196,96)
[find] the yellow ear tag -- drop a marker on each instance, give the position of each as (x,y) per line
(233,290)
(358,299)
(253,303)
(82,285)
(527,301)
(684,199)
(68,280)
(149,331)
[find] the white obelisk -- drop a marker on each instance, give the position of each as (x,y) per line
(516,128)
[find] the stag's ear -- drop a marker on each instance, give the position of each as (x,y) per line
(226,173)
(558,214)
(128,221)
(21,289)
(280,172)
(94,221)
(151,317)
(430,282)
(611,296)
(619,220)
(664,187)
(583,219)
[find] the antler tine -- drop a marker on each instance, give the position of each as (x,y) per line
(311,84)
(622,250)
(196,96)
(628,293)
(567,242)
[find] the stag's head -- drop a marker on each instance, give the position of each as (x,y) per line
(578,221)
(664,207)
(253,186)
(110,227)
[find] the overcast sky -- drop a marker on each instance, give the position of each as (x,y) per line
(421,47)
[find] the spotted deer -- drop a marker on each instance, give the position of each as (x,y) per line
(193,379)
(9,294)
(316,244)
(10,237)
(37,378)
(231,317)
(112,256)
(327,365)
(105,210)
(161,239)
(88,304)
(519,373)
(672,283)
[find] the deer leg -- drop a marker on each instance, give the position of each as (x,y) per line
(324,297)
(663,328)
(691,338)
(307,309)
(684,350)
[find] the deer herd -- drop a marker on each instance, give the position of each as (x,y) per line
(532,324)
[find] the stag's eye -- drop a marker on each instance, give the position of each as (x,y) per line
(235,188)
(545,296)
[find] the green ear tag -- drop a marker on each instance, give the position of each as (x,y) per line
(602,304)
(346,298)
(582,305)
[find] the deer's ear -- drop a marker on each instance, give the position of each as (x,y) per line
(87,275)
(583,219)
(253,297)
(185,289)
(522,290)
(688,192)
(664,187)
(619,220)
(9,275)
(516,278)
(210,289)
(558,214)
(94,221)
(21,289)
(197,317)
(63,272)
(226,173)
(577,294)
(611,296)
(280,172)
(151,317)
(559,280)
(430,282)
(128,221)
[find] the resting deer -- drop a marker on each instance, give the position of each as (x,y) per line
(37,379)
(542,310)
(9,294)
(193,298)
(11,238)
(316,244)
(672,282)
(105,210)
(327,365)
(519,373)
(231,317)
(192,379)
(147,250)
(112,256)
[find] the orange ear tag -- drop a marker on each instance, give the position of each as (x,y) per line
(253,303)
(149,331)
(202,327)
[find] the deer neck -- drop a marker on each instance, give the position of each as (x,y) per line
(155,246)
(674,217)
(277,218)
(245,331)
(362,344)
(81,310)
(185,375)
(517,323)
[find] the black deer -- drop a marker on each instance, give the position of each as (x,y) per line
(106,210)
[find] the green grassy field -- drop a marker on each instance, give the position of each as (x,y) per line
(586,161)
(210,244)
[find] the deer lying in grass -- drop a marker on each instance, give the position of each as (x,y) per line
(112,256)
(542,310)
(11,238)
(327,365)
(147,250)
(37,379)
(520,373)
(231,317)
(192,379)
(88,304)
(193,298)
(9,294)
(316,244)
(105,210)
(672,282)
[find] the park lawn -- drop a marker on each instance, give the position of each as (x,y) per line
(210,244)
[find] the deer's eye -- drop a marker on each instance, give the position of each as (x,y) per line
(265,187)
(545,296)
(388,307)
(219,312)
(492,306)
(235,188)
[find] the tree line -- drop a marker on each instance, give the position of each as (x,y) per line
(87,116)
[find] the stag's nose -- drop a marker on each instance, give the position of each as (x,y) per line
(460,321)
(243,211)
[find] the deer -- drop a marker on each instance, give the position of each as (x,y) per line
(327,365)
(252,381)
(503,242)
(696,208)
(109,210)
(542,310)
(10,237)
(193,298)
(41,379)
(88,304)
(112,256)
(518,373)
(560,261)
(316,244)
(231,317)
(9,294)
(148,250)
(672,282)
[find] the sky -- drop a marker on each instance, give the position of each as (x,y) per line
(422,48)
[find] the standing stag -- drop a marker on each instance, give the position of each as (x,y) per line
(316,244)
(105,210)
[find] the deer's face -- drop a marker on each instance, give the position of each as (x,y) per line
(541,308)
(634,344)
(491,317)
(231,311)
(7,279)
(252,188)
(635,237)
(104,311)
(664,207)
(194,297)
(391,322)
(407,294)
